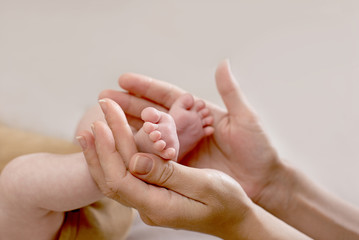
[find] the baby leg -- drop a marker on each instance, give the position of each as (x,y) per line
(193,121)
(158,134)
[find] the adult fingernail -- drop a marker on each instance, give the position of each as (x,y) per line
(103,105)
(82,142)
(93,129)
(142,165)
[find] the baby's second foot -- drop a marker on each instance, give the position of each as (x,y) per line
(193,121)
(158,134)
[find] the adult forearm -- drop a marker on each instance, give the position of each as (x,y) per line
(309,208)
(259,224)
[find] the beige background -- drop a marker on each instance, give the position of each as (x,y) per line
(297,62)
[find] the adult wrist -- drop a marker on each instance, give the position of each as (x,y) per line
(243,226)
(260,224)
(295,199)
(276,197)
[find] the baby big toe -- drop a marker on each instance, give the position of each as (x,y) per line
(185,101)
(150,114)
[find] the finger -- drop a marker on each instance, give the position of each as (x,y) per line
(108,169)
(193,183)
(86,141)
(130,104)
(111,162)
(229,90)
(117,183)
(122,133)
(160,92)
(91,115)
(109,172)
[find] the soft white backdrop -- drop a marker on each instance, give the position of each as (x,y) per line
(297,62)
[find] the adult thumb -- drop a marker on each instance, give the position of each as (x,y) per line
(190,182)
(229,90)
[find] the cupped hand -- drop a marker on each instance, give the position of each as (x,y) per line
(164,192)
(238,147)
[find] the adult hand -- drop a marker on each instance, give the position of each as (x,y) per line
(238,147)
(177,196)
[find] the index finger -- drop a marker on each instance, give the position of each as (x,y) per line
(157,91)
(129,103)
(122,133)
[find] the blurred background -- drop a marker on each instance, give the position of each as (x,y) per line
(297,62)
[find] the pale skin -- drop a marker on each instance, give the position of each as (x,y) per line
(190,119)
(177,196)
(240,148)
(36,190)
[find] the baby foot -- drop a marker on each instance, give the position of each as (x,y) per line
(158,134)
(193,122)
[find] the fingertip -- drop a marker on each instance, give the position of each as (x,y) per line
(111,108)
(103,104)
(122,80)
(105,93)
(229,90)
(101,132)
(126,80)
(224,72)
(82,141)
(223,65)
(89,150)
(94,126)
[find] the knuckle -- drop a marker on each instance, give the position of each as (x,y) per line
(166,173)
(152,221)
(111,186)
(168,95)
(160,220)
(110,189)
(148,221)
(209,180)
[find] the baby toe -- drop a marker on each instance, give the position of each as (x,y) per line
(199,105)
(155,136)
(204,113)
(209,130)
(185,101)
(207,121)
(169,153)
(150,114)
(149,127)
(159,145)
